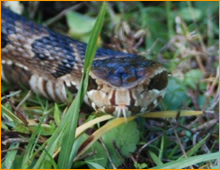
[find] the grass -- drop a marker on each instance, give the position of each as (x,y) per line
(65,158)
(181,133)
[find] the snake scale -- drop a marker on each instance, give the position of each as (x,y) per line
(50,63)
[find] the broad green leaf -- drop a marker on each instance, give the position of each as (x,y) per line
(99,158)
(175,95)
(192,78)
(22,129)
(189,14)
(17,161)
(151,17)
(125,137)
(101,131)
(10,156)
(79,25)
(45,129)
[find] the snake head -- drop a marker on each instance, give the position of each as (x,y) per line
(126,85)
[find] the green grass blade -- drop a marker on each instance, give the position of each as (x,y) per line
(95,165)
(171,113)
(31,145)
(69,133)
(161,147)
(196,147)
(52,142)
(155,158)
(15,119)
(91,123)
(169,19)
(186,162)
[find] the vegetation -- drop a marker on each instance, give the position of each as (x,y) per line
(183,132)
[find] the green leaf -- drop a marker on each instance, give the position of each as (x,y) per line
(22,129)
(10,156)
(79,25)
(125,137)
(94,165)
(186,162)
(162,145)
(151,19)
(45,129)
(17,161)
(3,126)
(57,114)
(15,119)
(189,14)
(192,77)
(99,158)
(207,6)
(140,166)
(52,143)
(155,158)
(175,95)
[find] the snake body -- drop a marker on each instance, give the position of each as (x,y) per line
(50,63)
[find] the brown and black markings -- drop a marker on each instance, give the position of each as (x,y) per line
(48,63)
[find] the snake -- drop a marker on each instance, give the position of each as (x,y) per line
(51,64)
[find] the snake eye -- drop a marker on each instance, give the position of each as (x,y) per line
(159,81)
